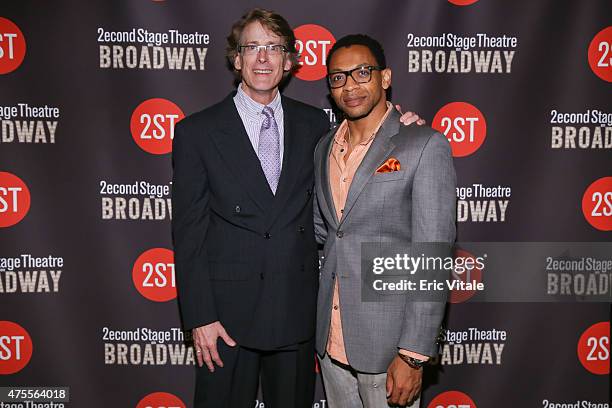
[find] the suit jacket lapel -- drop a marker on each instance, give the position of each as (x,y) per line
(237,151)
(381,146)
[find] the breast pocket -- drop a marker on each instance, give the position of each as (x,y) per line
(389,176)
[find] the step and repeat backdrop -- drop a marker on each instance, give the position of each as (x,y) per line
(90,93)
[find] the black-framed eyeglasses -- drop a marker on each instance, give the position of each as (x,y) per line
(253,49)
(364,75)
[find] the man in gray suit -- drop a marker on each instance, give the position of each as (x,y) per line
(375,181)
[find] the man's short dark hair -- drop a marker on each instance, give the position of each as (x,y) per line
(360,39)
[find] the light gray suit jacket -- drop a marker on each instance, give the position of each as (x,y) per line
(415,204)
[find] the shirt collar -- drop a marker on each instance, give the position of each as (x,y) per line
(343,128)
(253,107)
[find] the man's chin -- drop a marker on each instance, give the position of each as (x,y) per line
(266,83)
(356,114)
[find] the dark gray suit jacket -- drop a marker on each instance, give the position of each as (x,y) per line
(415,204)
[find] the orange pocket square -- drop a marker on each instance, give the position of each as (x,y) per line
(391,164)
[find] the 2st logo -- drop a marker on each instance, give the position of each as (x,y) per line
(153,275)
(597,204)
(452,399)
(15,347)
(464,126)
(313,42)
(14,199)
(594,348)
(600,54)
(161,400)
(462,2)
(466,275)
(12,46)
(152,125)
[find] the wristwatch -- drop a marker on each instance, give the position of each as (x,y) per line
(412,362)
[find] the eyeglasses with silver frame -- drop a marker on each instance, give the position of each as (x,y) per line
(270,49)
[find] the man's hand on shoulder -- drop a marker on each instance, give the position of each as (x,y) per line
(403,382)
(205,344)
(409,117)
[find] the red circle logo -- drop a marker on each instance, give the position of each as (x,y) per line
(462,2)
(15,347)
(597,204)
(594,348)
(161,400)
(452,399)
(153,275)
(464,126)
(14,199)
(12,46)
(600,54)
(313,42)
(152,125)
(467,271)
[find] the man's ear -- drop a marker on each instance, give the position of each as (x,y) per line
(386,78)
(288,64)
(237,62)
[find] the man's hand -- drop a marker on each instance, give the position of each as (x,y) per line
(403,382)
(205,343)
(409,117)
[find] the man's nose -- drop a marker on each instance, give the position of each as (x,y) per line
(262,55)
(350,83)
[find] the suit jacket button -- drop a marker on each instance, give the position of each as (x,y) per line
(301,229)
(267,235)
(261,275)
(309,191)
(340,234)
(237,209)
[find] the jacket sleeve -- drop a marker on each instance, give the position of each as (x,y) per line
(433,220)
(320,227)
(190,220)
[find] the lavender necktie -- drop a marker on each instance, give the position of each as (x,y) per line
(268,149)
